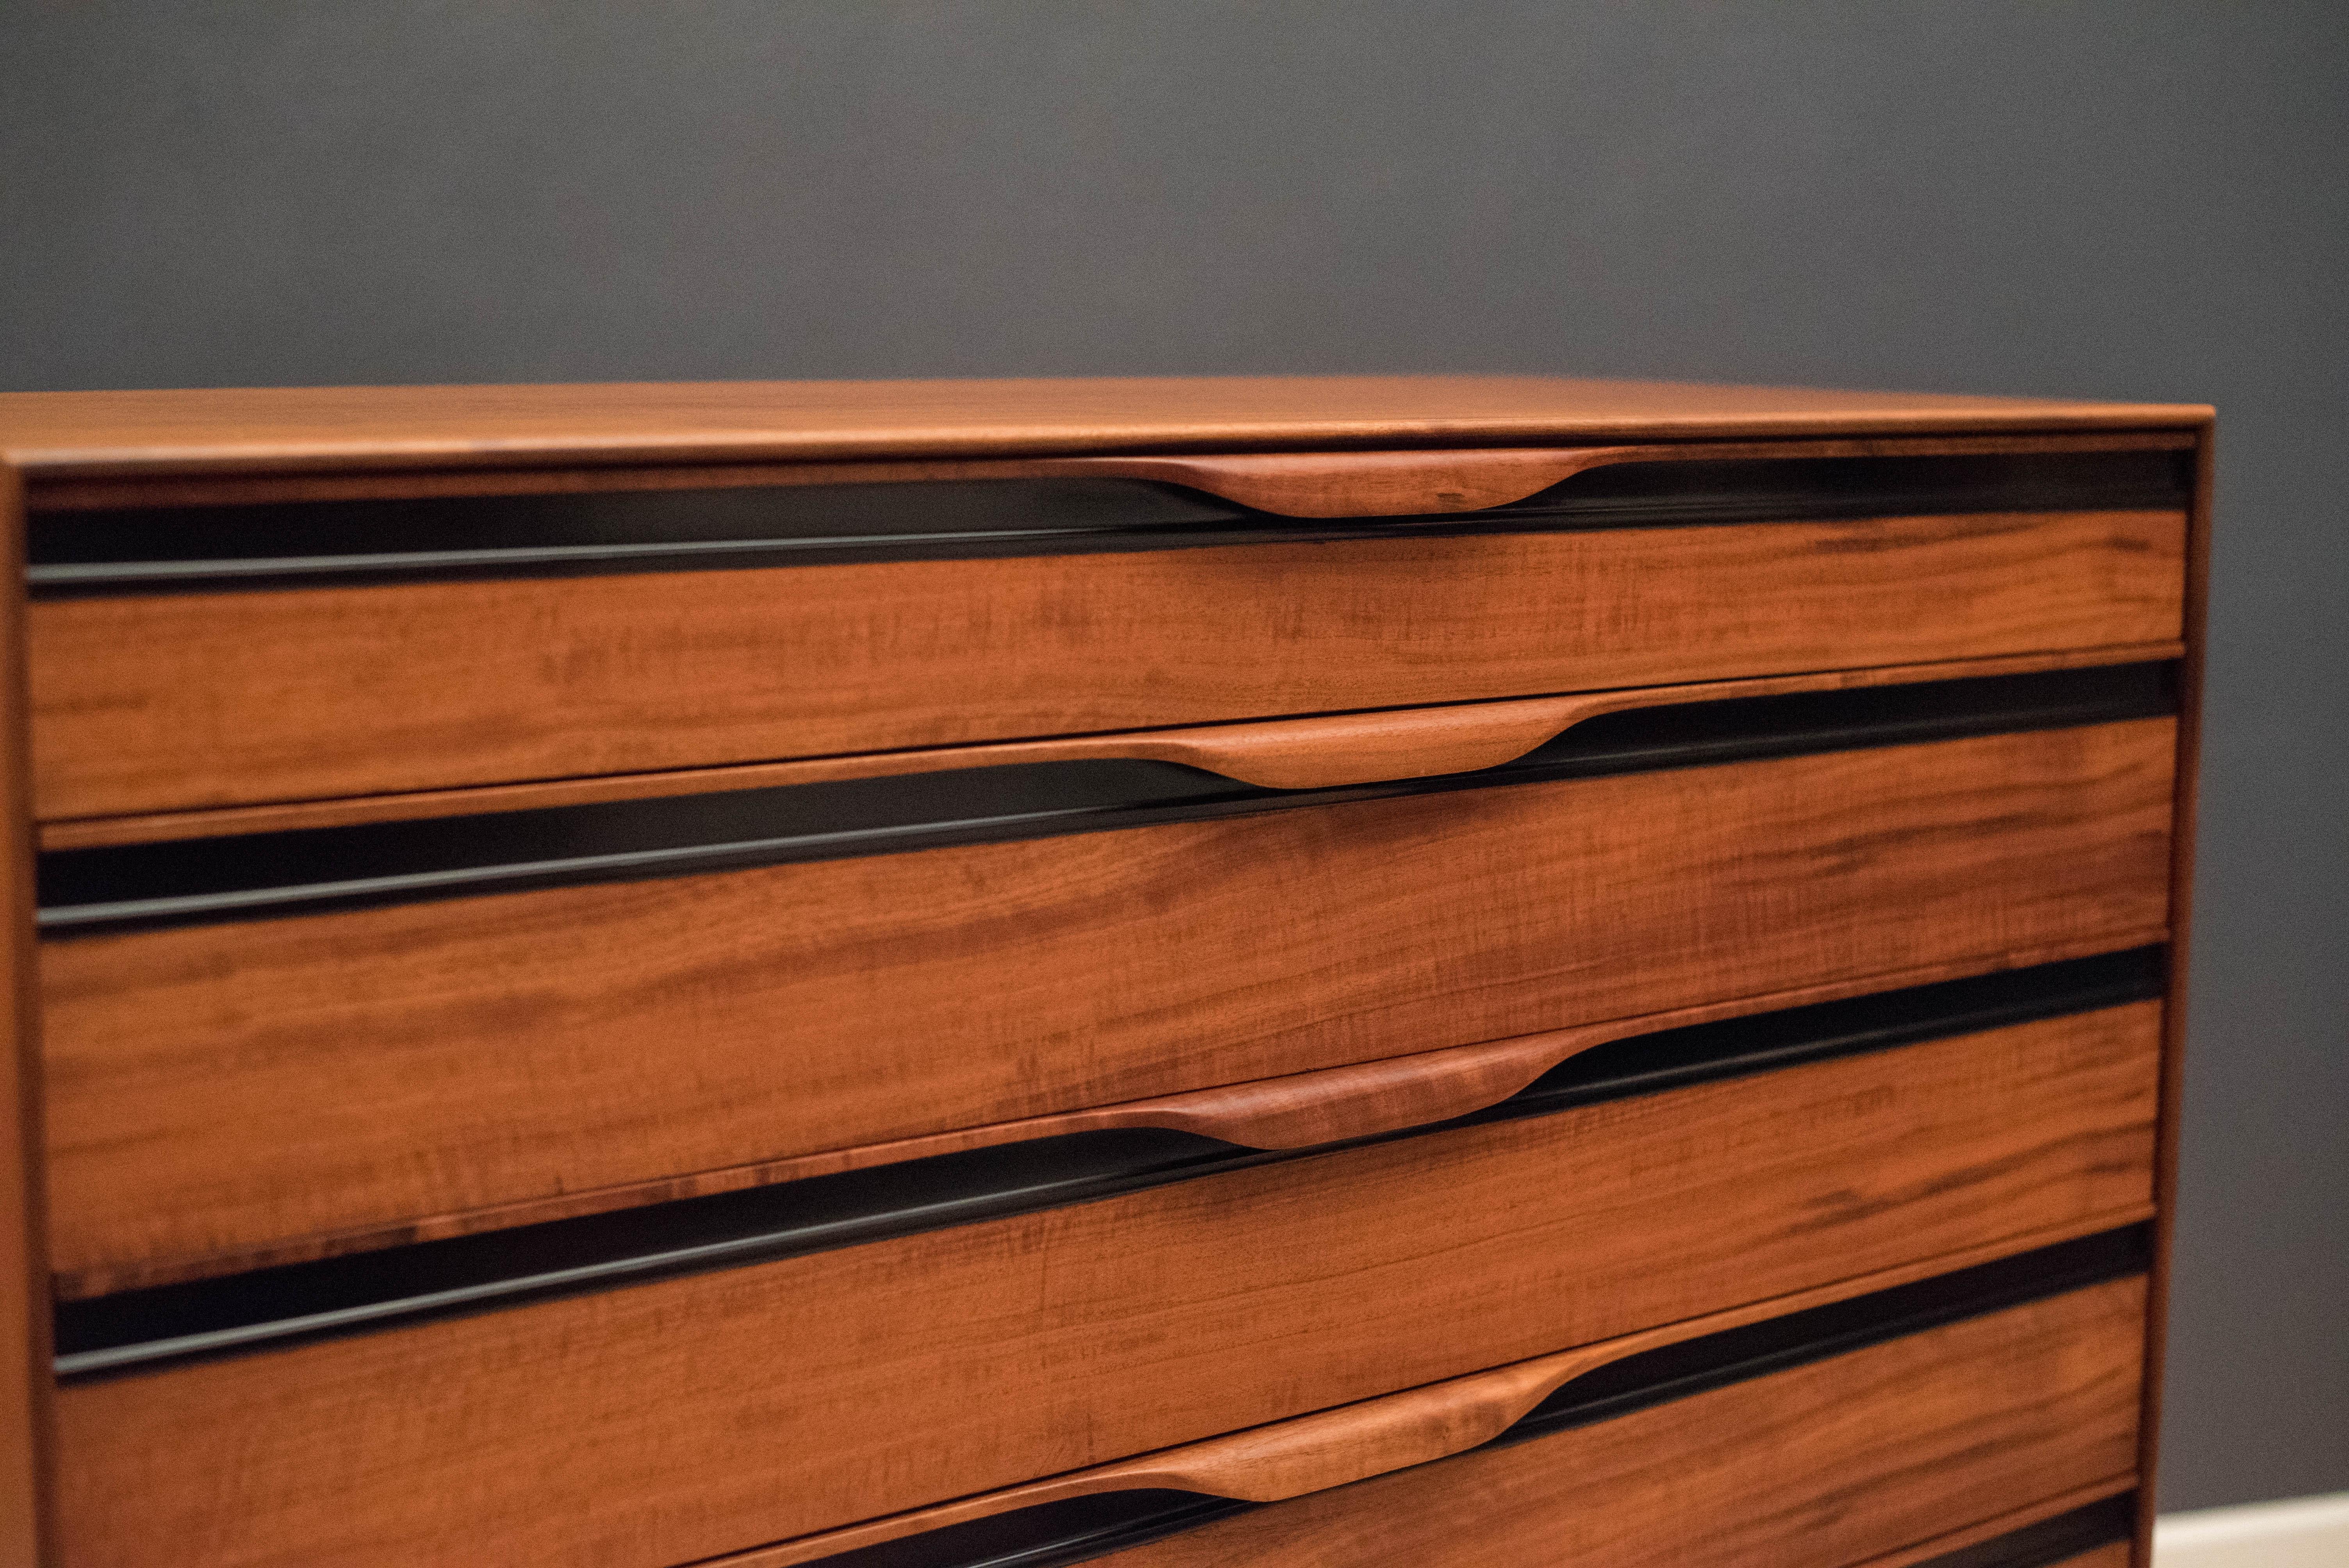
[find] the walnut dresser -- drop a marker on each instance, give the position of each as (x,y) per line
(1437,972)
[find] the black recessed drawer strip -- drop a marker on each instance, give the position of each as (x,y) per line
(2051,1540)
(263,874)
(1053,1534)
(283,544)
(137,1330)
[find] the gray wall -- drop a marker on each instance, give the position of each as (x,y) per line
(2132,199)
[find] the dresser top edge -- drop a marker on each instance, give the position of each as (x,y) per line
(224,430)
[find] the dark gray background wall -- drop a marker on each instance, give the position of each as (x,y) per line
(2133,199)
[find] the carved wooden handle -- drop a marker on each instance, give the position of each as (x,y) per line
(1424,742)
(1372,748)
(1431,483)
(1329,751)
(1301,1109)
(1353,1443)
(1363,484)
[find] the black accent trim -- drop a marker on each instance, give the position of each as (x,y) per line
(1736,1354)
(283,544)
(137,1330)
(2051,1540)
(1054,1534)
(263,874)
(1049,1535)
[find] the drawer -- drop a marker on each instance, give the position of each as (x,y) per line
(649,1422)
(1099,605)
(240,1089)
(1853,1432)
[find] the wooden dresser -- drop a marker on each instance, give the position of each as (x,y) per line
(1452,972)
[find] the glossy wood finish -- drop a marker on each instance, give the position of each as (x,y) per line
(24,1260)
(1354,1442)
(1295,1111)
(429,686)
(1928,1554)
(650,1425)
(1421,483)
(219,1091)
(57,435)
(1822,1464)
(1284,754)
(1378,484)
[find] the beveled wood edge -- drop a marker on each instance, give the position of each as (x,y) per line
(1286,1105)
(1433,482)
(1374,482)
(1306,752)
(2003,1525)
(352,427)
(2185,788)
(1416,1426)
(26,1386)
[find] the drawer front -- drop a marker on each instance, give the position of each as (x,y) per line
(649,1424)
(415,686)
(218,1091)
(1832,1463)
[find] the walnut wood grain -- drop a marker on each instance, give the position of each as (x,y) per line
(1821,1464)
(297,430)
(1422,483)
(1927,1554)
(1310,474)
(431,686)
(217,1090)
(1291,1111)
(25,1382)
(1289,754)
(650,1425)
(1353,1443)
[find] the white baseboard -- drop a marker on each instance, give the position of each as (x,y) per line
(2298,1533)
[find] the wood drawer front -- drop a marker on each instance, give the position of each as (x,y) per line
(1831,1464)
(711,1413)
(219,1091)
(305,693)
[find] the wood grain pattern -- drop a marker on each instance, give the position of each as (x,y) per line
(1286,754)
(294,429)
(1375,488)
(649,1424)
(23,1261)
(1353,1443)
(429,686)
(1822,1464)
(1296,1110)
(217,1090)
(1924,1554)
(1419,483)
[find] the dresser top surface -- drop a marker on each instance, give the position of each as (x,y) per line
(261,430)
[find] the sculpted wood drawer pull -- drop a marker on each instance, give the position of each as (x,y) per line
(1333,750)
(1335,1448)
(1110,1153)
(1452,971)
(1426,742)
(629,629)
(1431,484)
(1493,846)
